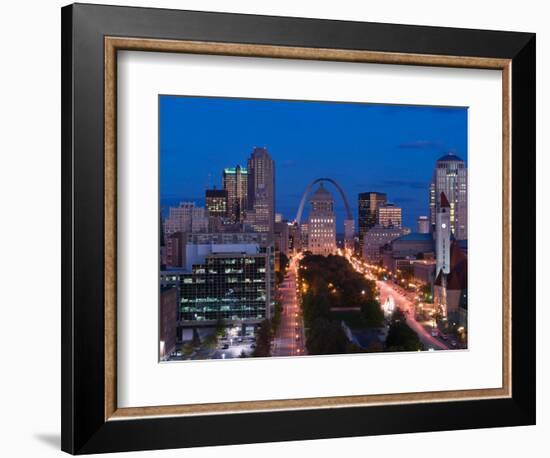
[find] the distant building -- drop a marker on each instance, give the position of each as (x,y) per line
(235,183)
(216,202)
(322,223)
(413,245)
(304,235)
(168,321)
(349,233)
(389,215)
(378,236)
(174,250)
(450,177)
(423,225)
(261,189)
(281,237)
(368,203)
(294,238)
(186,218)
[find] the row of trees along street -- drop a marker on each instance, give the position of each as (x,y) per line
(331,289)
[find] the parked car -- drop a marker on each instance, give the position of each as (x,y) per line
(225,346)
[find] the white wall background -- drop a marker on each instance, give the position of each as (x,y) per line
(30,225)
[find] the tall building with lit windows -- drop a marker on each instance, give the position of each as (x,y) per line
(235,183)
(450,177)
(368,204)
(322,223)
(261,190)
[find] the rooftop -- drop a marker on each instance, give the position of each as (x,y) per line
(450,157)
(321,194)
(415,237)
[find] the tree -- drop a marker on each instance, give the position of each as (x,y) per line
(372,313)
(326,338)
(187,349)
(276,319)
(220,327)
(211,341)
(263,339)
(400,336)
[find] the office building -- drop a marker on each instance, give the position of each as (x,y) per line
(261,189)
(423,225)
(322,223)
(389,215)
(174,250)
(368,203)
(450,178)
(216,202)
(378,236)
(186,218)
(235,183)
(232,282)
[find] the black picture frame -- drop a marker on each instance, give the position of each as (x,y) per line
(84,428)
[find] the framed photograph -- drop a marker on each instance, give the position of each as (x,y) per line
(281,228)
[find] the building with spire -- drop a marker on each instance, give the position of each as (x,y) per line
(450,178)
(322,223)
(442,233)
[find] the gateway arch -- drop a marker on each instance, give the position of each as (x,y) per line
(349,223)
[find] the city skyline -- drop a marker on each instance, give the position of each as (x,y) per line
(252,242)
(401,165)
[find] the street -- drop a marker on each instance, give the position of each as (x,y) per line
(405,304)
(290,339)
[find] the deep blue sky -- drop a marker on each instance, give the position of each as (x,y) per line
(364,147)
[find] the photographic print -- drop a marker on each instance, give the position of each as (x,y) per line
(296,228)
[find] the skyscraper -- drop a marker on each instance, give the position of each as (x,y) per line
(216,202)
(235,182)
(322,223)
(450,178)
(368,203)
(389,215)
(261,189)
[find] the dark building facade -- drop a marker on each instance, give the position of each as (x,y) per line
(174,250)
(216,202)
(368,204)
(168,320)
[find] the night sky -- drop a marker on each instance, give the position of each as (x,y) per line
(385,148)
